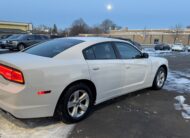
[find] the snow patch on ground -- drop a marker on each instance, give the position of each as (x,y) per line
(157,53)
(178,81)
(32,128)
(181,106)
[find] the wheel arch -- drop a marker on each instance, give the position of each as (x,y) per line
(89,83)
(165,67)
(21,43)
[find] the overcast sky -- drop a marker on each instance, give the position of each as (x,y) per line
(135,14)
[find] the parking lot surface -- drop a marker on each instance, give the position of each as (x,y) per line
(146,113)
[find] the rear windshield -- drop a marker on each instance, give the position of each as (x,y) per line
(52,48)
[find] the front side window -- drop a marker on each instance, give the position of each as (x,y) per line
(127,51)
(52,48)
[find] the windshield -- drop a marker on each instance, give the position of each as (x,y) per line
(52,48)
(14,37)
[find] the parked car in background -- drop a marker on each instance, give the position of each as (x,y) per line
(25,40)
(4,36)
(162,47)
(138,45)
(66,77)
(3,42)
(178,47)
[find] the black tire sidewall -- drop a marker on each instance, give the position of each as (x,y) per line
(19,47)
(62,106)
(155,85)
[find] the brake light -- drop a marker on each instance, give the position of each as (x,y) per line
(11,74)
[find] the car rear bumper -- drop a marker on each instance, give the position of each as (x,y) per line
(22,103)
(23,111)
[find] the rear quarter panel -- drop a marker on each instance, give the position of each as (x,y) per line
(55,78)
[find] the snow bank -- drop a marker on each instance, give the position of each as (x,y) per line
(32,128)
(181,106)
(178,81)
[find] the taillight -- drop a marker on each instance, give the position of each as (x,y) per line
(11,74)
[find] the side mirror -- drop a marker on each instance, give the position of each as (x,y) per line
(145,55)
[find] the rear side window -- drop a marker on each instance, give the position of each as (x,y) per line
(38,37)
(100,51)
(52,48)
(89,53)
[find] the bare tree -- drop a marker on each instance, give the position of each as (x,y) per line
(176,31)
(41,29)
(145,34)
(107,25)
(78,27)
(96,30)
(54,30)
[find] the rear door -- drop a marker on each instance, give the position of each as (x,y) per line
(105,69)
(135,68)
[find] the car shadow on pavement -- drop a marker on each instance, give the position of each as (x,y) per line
(119,99)
(146,113)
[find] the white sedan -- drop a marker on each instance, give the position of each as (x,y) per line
(188,48)
(178,47)
(66,77)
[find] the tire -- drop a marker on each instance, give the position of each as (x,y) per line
(159,79)
(20,47)
(75,113)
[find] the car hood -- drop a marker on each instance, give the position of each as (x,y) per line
(24,61)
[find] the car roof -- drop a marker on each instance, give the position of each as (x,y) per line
(92,39)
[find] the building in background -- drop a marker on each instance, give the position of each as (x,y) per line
(151,36)
(7,27)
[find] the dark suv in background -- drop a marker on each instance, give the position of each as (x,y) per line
(25,40)
(162,47)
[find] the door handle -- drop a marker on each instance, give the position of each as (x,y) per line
(96,68)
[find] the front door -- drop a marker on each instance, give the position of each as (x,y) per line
(135,68)
(105,70)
